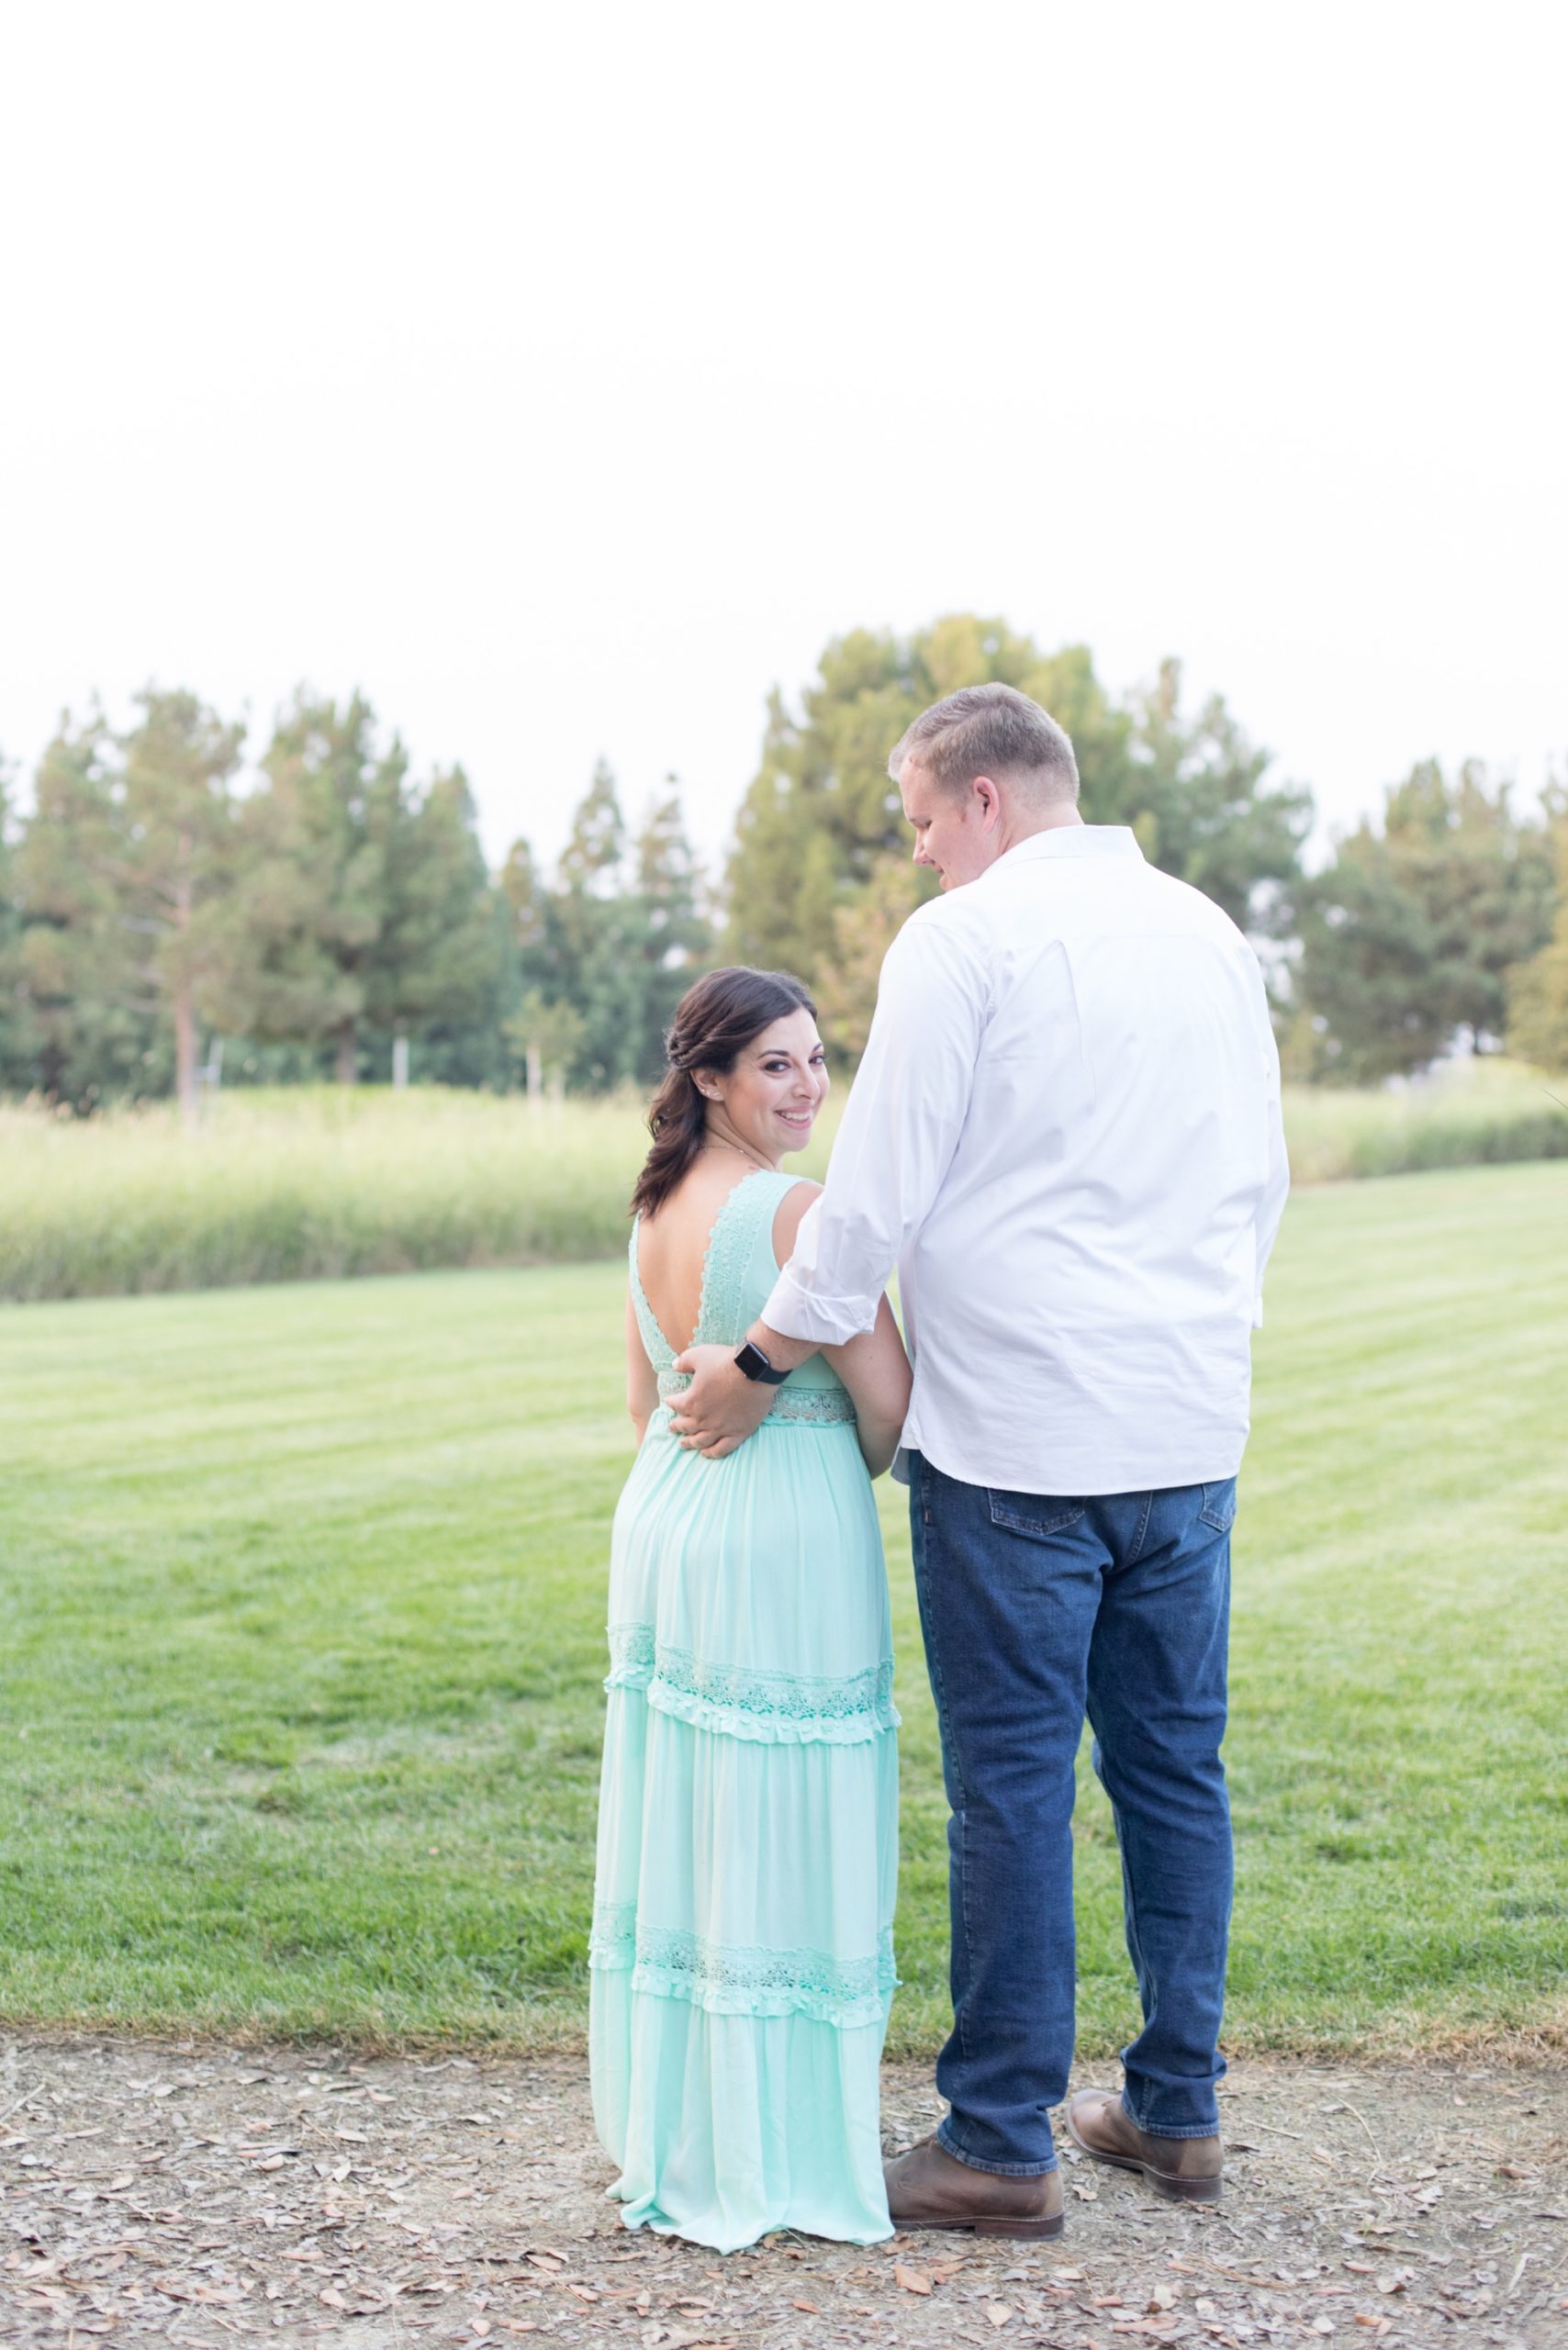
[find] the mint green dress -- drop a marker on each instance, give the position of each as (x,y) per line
(741,1952)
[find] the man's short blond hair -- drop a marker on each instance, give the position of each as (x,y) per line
(990,730)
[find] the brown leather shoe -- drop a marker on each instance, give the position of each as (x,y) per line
(927,2188)
(1185,2170)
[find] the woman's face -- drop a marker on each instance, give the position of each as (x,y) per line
(770,1099)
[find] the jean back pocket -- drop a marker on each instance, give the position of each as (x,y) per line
(1039,1514)
(1219,1505)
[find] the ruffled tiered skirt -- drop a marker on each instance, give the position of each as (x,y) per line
(742,1954)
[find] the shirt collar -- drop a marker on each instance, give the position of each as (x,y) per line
(1071,840)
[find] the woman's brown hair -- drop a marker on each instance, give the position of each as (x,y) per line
(714,1022)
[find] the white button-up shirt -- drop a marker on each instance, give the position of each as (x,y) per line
(1066,1132)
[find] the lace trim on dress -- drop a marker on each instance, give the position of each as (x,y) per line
(724,1261)
(614,1930)
(813,1407)
(631,1656)
(740,1701)
(724,1980)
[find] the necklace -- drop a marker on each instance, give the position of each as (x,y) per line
(715,1142)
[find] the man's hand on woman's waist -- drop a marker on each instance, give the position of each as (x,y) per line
(721,1408)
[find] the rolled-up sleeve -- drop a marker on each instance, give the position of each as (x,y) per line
(901,1125)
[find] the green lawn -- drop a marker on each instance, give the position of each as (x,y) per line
(302,1591)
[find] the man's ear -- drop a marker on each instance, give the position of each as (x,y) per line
(989,800)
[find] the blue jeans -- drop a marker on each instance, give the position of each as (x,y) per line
(1036,1610)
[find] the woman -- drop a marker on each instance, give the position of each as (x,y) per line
(742,1949)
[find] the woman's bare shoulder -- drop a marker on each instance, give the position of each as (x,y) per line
(789,1213)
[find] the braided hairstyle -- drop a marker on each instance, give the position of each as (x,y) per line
(714,1022)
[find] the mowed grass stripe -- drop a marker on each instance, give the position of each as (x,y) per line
(301,1601)
(1402,1628)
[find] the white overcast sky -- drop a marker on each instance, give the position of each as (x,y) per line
(565,376)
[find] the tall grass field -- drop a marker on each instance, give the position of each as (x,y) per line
(302,1592)
(318,1182)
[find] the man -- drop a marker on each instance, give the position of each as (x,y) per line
(1066,1132)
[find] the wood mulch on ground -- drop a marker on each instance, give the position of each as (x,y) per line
(187,2194)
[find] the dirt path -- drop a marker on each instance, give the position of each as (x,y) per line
(183,2194)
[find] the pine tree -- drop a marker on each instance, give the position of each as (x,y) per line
(1407,938)
(1193,791)
(437,958)
(123,880)
(524,891)
(311,902)
(591,860)
(606,953)
(672,933)
(362,903)
(1537,987)
(84,1028)
(17,1026)
(591,941)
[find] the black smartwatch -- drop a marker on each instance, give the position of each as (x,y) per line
(753,1364)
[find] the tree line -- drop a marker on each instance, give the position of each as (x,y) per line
(332,914)
(337,918)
